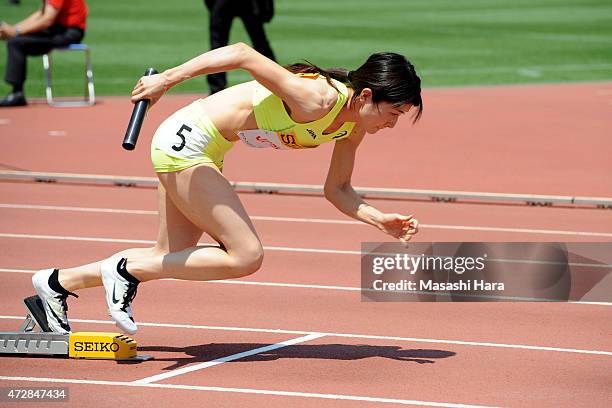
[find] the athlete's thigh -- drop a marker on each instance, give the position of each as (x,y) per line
(176,232)
(208,200)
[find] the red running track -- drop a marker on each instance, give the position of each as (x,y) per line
(348,352)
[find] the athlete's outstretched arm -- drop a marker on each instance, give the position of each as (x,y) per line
(297,93)
(340,193)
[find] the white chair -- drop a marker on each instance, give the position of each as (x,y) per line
(89,98)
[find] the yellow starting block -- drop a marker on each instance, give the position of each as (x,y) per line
(111,346)
(89,345)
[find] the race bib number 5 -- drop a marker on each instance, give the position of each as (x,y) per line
(180,138)
(178,147)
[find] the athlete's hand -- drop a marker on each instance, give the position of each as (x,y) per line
(402,227)
(150,87)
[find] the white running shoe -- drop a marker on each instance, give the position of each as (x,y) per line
(54,303)
(119,294)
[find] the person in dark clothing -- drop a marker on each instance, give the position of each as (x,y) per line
(253,13)
(57,23)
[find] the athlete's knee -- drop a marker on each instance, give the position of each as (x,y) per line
(248,260)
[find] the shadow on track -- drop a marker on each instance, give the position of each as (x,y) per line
(209,352)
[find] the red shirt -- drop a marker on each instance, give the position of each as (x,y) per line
(72,13)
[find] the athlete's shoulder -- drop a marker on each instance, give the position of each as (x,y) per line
(320,97)
(327,94)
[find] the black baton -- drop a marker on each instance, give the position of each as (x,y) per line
(138,114)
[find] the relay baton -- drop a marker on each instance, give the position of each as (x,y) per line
(138,114)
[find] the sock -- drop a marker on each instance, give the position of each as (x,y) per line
(122,270)
(56,286)
(18,88)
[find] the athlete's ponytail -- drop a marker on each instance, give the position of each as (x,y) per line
(390,76)
(306,67)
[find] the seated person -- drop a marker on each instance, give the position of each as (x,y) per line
(58,23)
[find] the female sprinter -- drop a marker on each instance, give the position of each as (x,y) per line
(296,107)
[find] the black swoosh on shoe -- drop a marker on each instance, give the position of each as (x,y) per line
(61,323)
(115,300)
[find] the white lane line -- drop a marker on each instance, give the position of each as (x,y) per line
(149,242)
(440,226)
(245,391)
(284,285)
(86,239)
(77,209)
(339,288)
(237,356)
(269,248)
(317,220)
(311,250)
(28,271)
(519,230)
(348,335)
(235,282)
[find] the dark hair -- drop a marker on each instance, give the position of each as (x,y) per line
(390,76)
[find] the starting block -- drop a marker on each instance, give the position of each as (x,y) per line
(89,345)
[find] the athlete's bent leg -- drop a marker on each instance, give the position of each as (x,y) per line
(197,199)
(204,197)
